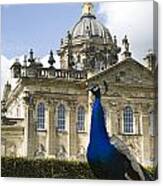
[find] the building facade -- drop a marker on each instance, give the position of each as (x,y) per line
(47,113)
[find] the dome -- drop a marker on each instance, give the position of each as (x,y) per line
(89,25)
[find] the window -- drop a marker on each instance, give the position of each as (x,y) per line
(41,115)
(81,118)
(61,117)
(128,120)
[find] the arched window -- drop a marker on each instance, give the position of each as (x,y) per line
(61,117)
(80,118)
(128,120)
(41,116)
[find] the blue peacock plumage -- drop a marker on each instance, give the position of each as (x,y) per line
(109,157)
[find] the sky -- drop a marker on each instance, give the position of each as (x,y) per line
(135,19)
(38,26)
(41,26)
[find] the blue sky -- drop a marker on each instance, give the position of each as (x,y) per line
(39,26)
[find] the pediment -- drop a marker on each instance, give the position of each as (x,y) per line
(128,72)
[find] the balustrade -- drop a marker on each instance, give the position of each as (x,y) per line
(55,73)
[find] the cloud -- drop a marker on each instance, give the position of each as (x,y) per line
(135,19)
(45,63)
(5,71)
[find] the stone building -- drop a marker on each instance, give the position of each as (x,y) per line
(47,113)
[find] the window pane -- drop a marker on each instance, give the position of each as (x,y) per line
(61,117)
(80,119)
(40,115)
(128,120)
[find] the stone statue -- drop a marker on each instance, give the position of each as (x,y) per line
(125,43)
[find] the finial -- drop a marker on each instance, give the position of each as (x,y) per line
(31,53)
(115,40)
(7,83)
(31,58)
(17,60)
(87,9)
(51,60)
(61,41)
(25,60)
(68,35)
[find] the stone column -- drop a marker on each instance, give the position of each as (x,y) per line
(137,123)
(146,141)
(118,121)
(51,129)
(137,119)
(114,120)
(72,131)
(89,114)
(30,128)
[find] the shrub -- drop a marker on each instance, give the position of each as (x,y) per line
(44,168)
(51,168)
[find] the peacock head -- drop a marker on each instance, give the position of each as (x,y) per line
(95,89)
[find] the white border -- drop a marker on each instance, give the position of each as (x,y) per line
(62,182)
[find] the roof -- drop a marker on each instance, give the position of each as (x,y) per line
(123,62)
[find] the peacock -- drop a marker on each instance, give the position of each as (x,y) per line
(109,157)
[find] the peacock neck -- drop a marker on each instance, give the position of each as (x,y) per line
(98,133)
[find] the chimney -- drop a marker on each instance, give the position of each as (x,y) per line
(150,60)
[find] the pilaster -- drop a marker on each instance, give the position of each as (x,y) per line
(30,127)
(51,128)
(146,137)
(72,131)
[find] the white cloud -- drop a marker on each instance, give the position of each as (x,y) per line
(5,71)
(135,19)
(45,63)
